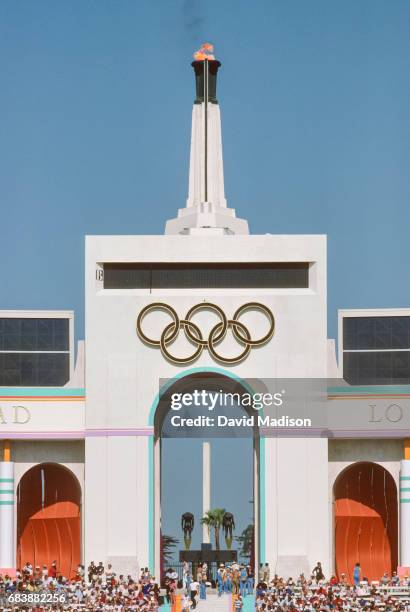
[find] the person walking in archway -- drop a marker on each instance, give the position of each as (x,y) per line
(186,576)
(194,586)
(202,582)
(317,572)
(356,574)
(53,570)
(243,577)
(250,581)
(220,579)
(235,580)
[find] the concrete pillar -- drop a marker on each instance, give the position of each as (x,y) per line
(157,509)
(256,510)
(6,510)
(405,507)
(206,487)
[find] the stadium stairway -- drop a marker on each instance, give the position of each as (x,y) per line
(213,603)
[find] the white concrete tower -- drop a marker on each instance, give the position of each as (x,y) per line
(206,207)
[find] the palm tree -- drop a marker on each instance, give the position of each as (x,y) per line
(246,541)
(168,545)
(213,520)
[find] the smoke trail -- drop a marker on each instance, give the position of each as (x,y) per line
(193,19)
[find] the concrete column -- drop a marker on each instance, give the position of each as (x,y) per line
(157,508)
(6,510)
(256,510)
(206,487)
(405,507)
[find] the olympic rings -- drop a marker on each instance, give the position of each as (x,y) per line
(158,306)
(229,360)
(266,311)
(208,306)
(216,335)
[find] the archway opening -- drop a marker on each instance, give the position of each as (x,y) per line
(180,467)
(49,518)
(366,521)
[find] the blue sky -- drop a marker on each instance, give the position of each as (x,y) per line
(231,485)
(95,106)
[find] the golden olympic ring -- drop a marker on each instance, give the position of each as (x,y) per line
(216,335)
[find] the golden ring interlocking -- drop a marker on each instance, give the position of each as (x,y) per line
(216,335)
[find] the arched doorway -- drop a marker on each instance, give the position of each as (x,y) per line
(234,461)
(365,517)
(49,518)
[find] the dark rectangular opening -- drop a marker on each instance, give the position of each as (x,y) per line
(206,275)
(372,333)
(34,369)
(32,334)
(377,368)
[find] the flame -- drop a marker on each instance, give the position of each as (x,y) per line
(204,53)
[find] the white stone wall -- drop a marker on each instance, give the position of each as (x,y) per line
(122,379)
(117,520)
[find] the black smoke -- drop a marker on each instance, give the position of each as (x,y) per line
(193,19)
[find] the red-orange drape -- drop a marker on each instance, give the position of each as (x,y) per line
(365,511)
(48,518)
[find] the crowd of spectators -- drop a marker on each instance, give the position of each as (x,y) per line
(101,589)
(98,589)
(390,593)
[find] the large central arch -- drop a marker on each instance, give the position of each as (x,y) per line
(184,383)
(366,524)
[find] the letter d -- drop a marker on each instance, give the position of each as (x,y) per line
(17,413)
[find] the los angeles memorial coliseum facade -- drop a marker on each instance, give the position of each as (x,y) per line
(80,430)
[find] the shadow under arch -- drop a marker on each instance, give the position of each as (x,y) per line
(211,379)
(365,513)
(49,518)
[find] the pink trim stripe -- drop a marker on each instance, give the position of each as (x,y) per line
(42,435)
(140,431)
(32,398)
(75,435)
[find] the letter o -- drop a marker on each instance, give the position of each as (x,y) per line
(400,413)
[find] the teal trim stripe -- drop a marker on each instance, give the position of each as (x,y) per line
(11,491)
(11,502)
(6,479)
(405,489)
(40,391)
(373,390)
(404,477)
(402,501)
